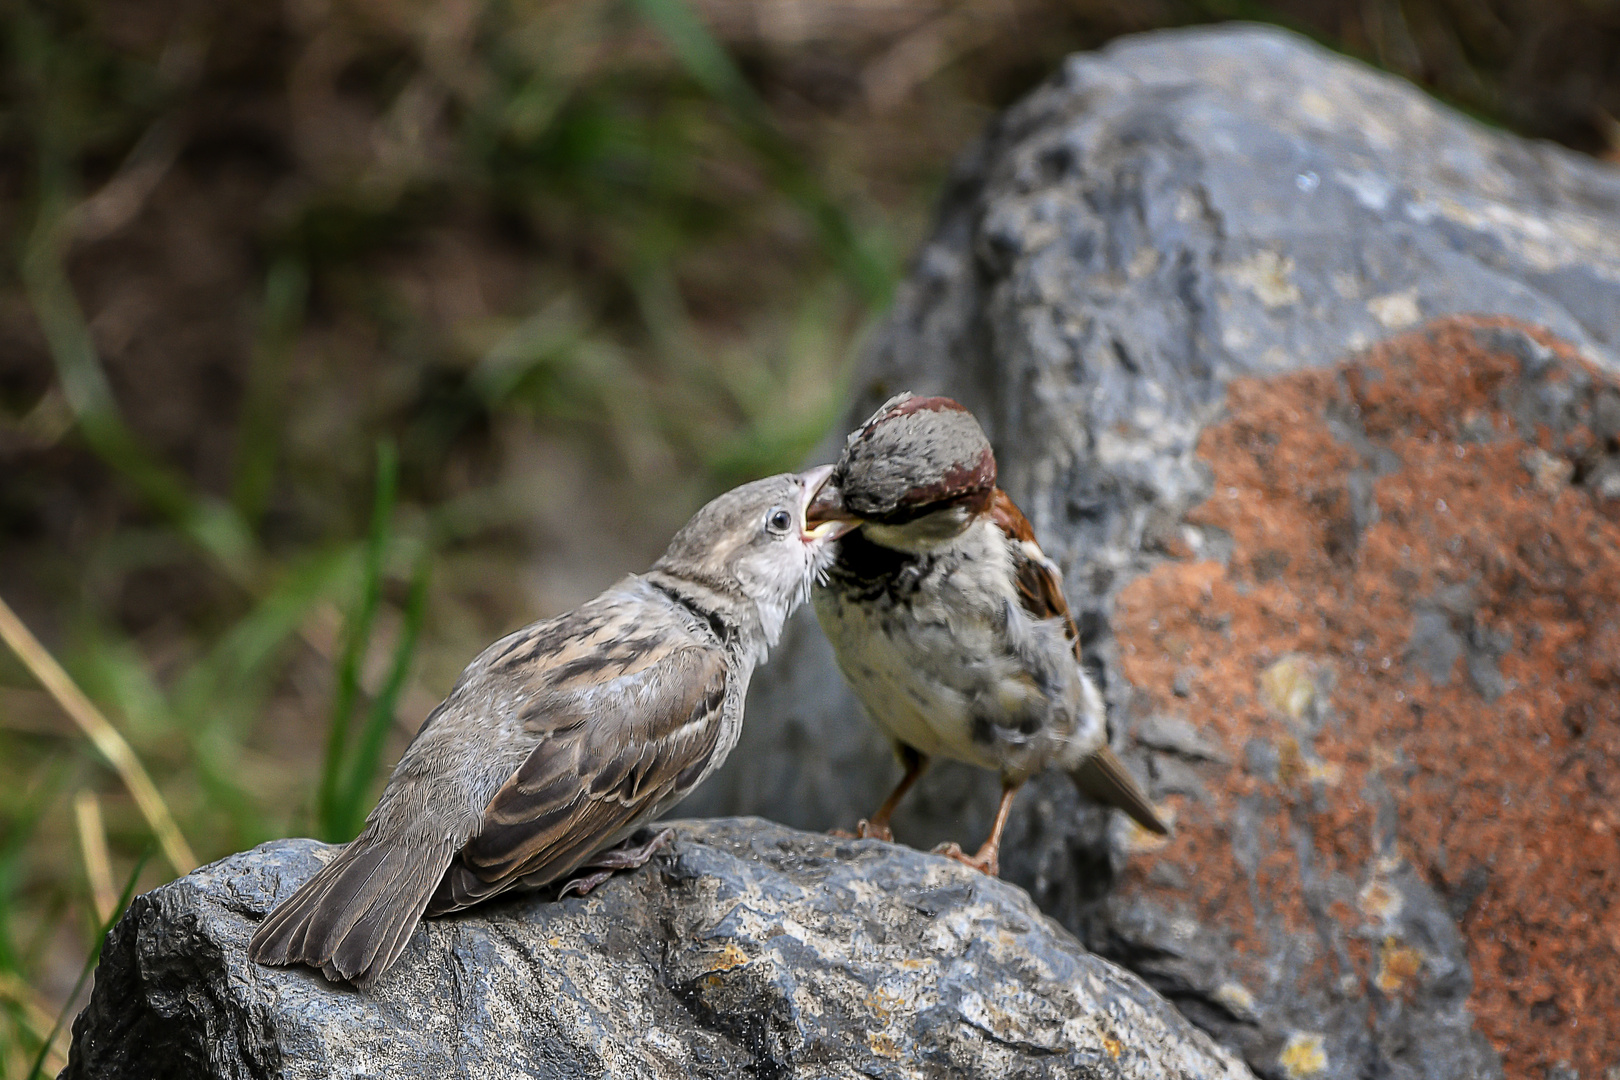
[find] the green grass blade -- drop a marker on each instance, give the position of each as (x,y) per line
(864,262)
(90,961)
(350,813)
(358,638)
(243,660)
(258,441)
(13,851)
(703,57)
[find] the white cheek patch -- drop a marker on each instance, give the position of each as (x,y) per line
(791,573)
(822,556)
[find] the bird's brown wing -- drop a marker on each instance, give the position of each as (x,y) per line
(621,705)
(1040,591)
(622,729)
(1040,582)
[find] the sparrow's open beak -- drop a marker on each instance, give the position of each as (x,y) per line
(824,515)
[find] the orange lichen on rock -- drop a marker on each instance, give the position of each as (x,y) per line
(1422,600)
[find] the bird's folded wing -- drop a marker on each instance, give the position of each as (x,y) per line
(614,743)
(1040,582)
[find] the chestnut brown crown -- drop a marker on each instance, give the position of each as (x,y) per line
(914,456)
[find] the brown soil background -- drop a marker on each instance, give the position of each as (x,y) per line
(1508,806)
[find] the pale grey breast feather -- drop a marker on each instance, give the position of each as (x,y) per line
(1043,649)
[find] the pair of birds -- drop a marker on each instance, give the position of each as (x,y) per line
(561,740)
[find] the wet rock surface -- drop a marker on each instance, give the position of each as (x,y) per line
(1168,215)
(743,949)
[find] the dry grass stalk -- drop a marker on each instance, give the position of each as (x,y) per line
(93,845)
(36,1017)
(106,738)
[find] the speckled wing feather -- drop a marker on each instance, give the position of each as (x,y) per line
(568,731)
(1040,591)
(628,720)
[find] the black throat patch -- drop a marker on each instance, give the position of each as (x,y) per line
(865,572)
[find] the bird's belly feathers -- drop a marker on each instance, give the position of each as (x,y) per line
(905,679)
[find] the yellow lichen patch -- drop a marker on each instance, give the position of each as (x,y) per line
(1302,1056)
(1395,311)
(1113,1046)
(883,1002)
(1552,472)
(1290,762)
(1324,772)
(882,1045)
(731,956)
(1235,997)
(1398,965)
(554,943)
(1270,276)
(1289,685)
(1378,900)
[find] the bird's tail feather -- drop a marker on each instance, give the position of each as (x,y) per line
(1105,779)
(353,918)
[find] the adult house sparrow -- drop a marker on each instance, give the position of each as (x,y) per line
(950,622)
(561,739)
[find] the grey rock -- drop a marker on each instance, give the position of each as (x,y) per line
(1175,210)
(1172,776)
(1606,415)
(1485,676)
(1162,216)
(1457,601)
(1434,648)
(1176,735)
(1472,885)
(1416,1026)
(1486,647)
(1261,760)
(1182,687)
(1444,630)
(1605,478)
(745,949)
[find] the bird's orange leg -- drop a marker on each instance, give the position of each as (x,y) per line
(877,826)
(988,860)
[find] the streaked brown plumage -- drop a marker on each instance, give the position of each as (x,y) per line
(561,739)
(950,621)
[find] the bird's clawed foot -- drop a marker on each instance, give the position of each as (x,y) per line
(987,861)
(626,856)
(865,830)
(870,830)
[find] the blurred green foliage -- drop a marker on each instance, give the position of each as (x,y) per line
(339,337)
(349,771)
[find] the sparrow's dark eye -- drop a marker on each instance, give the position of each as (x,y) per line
(779,522)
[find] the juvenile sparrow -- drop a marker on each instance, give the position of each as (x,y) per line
(561,739)
(950,622)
